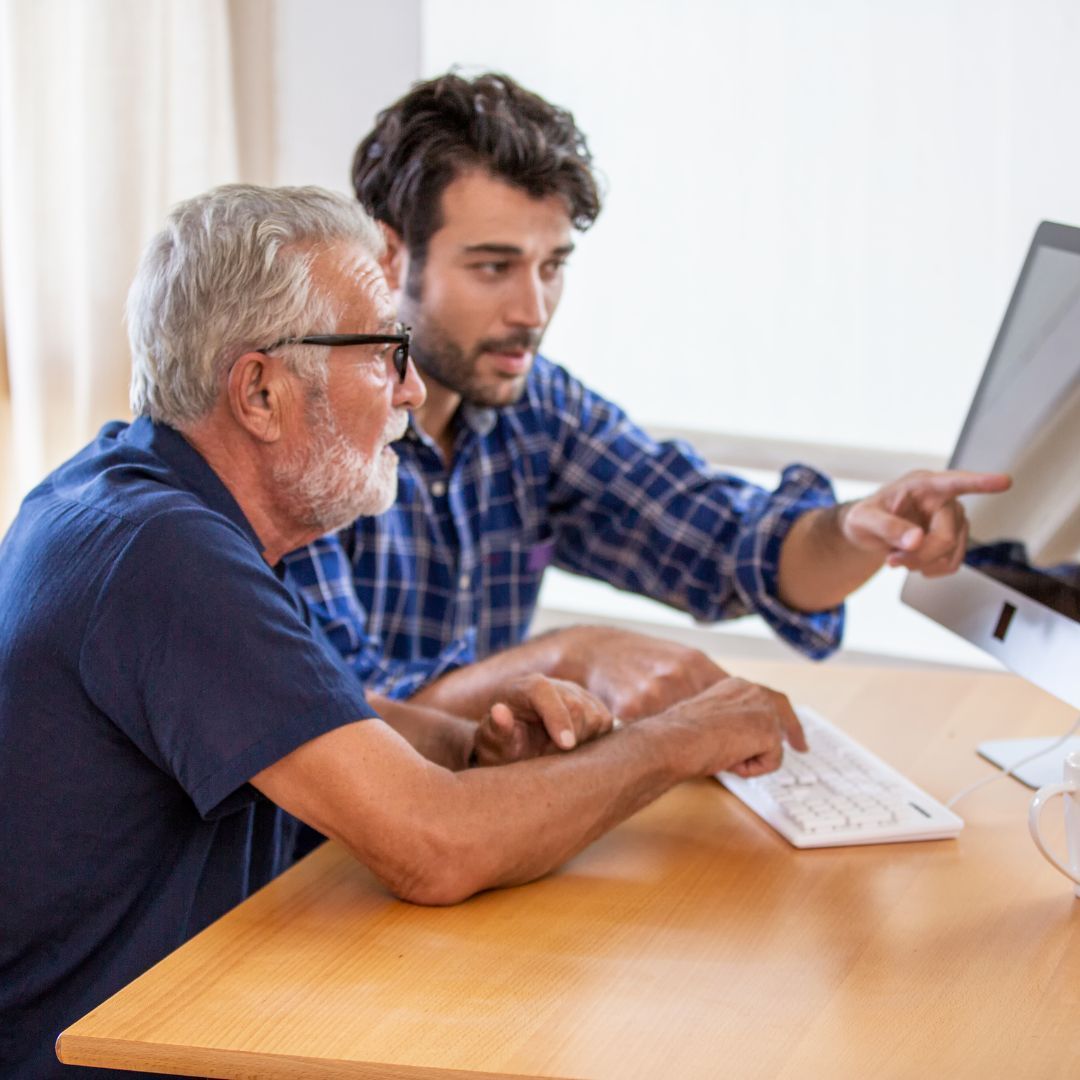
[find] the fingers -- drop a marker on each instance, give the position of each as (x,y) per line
(568,713)
(771,757)
(502,718)
(500,739)
(900,511)
(919,520)
(789,722)
(943,547)
(589,715)
(961,550)
(760,764)
(552,710)
(736,726)
(875,526)
(950,483)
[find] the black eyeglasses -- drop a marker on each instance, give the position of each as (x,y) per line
(400,339)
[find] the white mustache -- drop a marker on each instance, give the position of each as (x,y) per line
(398,430)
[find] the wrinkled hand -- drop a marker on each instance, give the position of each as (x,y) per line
(917,521)
(539,716)
(636,675)
(734,726)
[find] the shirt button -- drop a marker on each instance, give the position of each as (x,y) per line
(463,581)
(438,489)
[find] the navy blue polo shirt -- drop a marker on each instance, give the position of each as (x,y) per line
(151,662)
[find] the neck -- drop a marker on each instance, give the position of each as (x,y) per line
(434,417)
(242,469)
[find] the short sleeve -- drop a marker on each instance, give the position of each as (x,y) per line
(205,660)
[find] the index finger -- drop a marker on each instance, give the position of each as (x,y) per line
(554,715)
(953,482)
(789,721)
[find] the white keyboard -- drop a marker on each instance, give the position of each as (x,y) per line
(839,793)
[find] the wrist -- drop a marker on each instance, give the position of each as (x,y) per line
(670,751)
(840,514)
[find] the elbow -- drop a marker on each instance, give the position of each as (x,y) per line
(435,890)
(440,882)
(432,870)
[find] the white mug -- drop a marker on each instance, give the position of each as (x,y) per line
(1069,789)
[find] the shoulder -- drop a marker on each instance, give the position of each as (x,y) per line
(551,386)
(564,403)
(152,522)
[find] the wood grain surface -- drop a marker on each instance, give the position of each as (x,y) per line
(691,941)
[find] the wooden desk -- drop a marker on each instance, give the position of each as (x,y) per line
(690,942)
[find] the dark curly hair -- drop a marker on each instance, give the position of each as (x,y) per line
(447,125)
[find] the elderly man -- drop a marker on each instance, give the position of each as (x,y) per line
(168,709)
(512,464)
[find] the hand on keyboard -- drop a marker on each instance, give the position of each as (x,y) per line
(735,725)
(840,793)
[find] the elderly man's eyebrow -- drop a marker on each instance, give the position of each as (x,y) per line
(387,325)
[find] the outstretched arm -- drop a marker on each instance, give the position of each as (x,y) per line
(916,522)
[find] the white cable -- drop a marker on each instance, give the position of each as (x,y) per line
(963,793)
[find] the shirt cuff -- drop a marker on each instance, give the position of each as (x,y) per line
(757,564)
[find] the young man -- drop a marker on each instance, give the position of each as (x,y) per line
(163,691)
(512,464)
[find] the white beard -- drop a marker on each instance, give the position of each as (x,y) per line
(329,483)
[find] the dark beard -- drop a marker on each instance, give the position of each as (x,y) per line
(448,364)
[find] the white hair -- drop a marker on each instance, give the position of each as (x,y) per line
(229,273)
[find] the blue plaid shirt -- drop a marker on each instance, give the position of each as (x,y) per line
(451,573)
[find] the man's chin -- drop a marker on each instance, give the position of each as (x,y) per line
(500,395)
(375,501)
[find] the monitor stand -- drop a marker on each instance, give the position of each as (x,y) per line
(1048,769)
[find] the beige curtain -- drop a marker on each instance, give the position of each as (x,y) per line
(110,111)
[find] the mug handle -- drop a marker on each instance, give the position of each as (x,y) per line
(1038,804)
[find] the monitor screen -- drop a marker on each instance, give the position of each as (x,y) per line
(1025,421)
(1017,596)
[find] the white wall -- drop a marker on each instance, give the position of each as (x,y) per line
(816,211)
(815,216)
(336,64)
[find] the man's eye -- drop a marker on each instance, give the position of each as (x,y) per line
(495,268)
(553,267)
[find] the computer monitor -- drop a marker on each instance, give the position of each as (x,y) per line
(1017,595)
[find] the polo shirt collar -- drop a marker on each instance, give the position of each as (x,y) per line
(192,470)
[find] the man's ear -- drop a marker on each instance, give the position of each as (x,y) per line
(395,260)
(256,393)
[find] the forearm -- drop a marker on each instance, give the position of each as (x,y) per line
(438,736)
(436,837)
(818,566)
(508,812)
(488,828)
